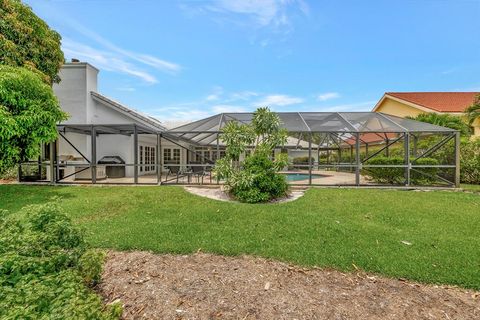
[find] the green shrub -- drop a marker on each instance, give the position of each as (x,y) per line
(9,174)
(90,266)
(396,175)
(45,265)
(470,161)
(386,175)
(424,176)
(302,160)
(257,179)
(264,183)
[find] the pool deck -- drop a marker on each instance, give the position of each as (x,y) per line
(324,177)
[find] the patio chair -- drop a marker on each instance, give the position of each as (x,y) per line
(173,169)
(198,172)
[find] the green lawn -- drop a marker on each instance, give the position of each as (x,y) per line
(339,228)
(471,187)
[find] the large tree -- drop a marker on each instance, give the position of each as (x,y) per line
(29,112)
(27,41)
(30,58)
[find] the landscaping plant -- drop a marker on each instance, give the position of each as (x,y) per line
(29,113)
(27,41)
(470,161)
(396,175)
(47,269)
(257,177)
(30,59)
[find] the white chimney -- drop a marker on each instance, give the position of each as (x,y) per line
(78,79)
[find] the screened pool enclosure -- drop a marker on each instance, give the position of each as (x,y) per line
(324,148)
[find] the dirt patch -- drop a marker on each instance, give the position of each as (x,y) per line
(204,286)
(221,195)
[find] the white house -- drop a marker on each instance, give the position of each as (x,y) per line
(78,96)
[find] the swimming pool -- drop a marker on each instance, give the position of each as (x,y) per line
(294,177)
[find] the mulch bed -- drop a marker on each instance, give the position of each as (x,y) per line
(205,286)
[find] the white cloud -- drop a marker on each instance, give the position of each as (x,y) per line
(128,89)
(104,60)
(186,115)
(146,59)
(102,52)
(216,94)
(225,108)
(263,12)
(280,100)
(328,96)
(212,97)
(243,95)
(159,64)
(358,106)
(260,13)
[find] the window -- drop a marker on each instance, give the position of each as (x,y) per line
(147,158)
(141,158)
(171,156)
(152,158)
(176,155)
(202,154)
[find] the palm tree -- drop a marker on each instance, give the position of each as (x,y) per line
(473,112)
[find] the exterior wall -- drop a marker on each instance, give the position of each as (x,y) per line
(398,109)
(101,114)
(80,141)
(116,145)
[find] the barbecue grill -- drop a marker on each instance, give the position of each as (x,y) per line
(113,171)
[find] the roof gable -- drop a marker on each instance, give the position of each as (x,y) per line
(455,102)
(134,115)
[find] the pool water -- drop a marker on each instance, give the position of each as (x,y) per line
(293,177)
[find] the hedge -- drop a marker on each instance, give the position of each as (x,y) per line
(393,175)
(470,161)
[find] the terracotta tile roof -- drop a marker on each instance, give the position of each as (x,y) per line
(438,101)
(371,137)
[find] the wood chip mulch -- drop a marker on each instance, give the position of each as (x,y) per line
(205,286)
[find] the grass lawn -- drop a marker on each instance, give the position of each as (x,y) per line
(339,228)
(471,187)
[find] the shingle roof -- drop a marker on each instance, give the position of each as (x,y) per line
(438,101)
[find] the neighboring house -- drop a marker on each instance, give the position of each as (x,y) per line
(403,104)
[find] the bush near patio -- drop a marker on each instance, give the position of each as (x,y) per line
(46,268)
(397,175)
(470,161)
(256,179)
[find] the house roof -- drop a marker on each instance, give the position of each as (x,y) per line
(438,101)
(135,115)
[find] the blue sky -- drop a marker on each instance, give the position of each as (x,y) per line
(184,60)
